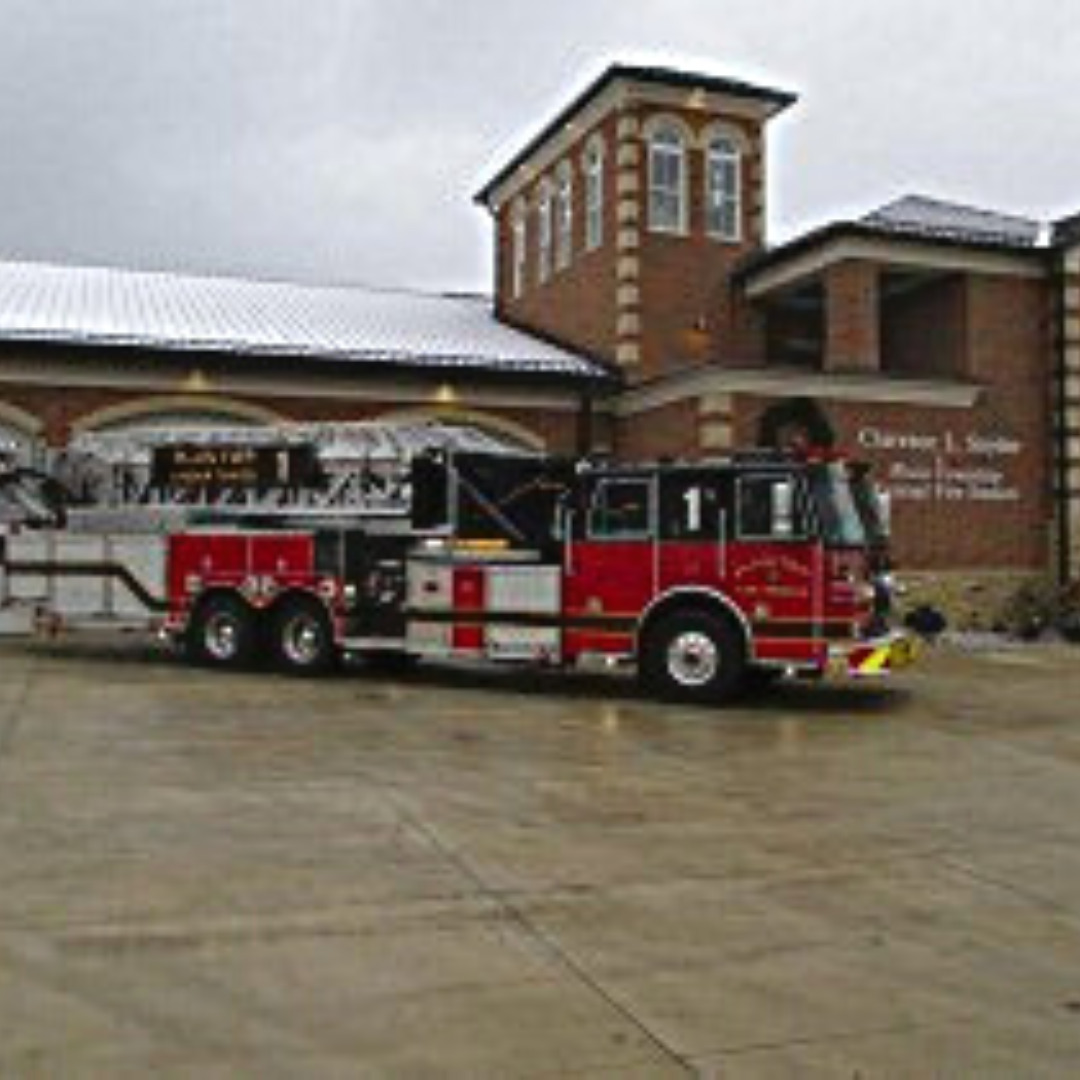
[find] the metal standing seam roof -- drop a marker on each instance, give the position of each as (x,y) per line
(97,306)
(917,215)
(913,218)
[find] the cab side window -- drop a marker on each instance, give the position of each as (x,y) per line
(771,508)
(621,510)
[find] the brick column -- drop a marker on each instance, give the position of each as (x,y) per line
(852,317)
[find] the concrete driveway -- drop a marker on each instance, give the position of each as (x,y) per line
(503,875)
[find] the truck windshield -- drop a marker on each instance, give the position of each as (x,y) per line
(841,525)
(869,505)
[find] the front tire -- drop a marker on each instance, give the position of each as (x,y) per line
(302,637)
(222,633)
(694,656)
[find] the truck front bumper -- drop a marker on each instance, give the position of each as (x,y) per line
(876,657)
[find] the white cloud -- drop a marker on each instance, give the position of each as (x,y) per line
(344,139)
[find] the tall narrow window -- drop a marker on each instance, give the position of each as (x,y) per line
(723,190)
(667,180)
(564,217)
(518,252)
(594,196)
(543,233)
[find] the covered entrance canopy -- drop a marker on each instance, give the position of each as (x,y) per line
(887,294)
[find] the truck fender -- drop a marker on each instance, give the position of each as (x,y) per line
(694,597)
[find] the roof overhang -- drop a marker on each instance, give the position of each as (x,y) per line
(807,258)
(619,87)
(782,382)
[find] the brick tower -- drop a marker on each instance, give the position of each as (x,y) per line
(618,226)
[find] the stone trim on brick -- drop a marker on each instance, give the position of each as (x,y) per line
(1068,410)
(716,422)
(716,436)
(156,404)
(628,268)
(19,422)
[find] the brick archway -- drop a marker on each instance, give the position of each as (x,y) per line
(130,413)
(20,432)
(496,425)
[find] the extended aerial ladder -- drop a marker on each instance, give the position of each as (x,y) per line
(83,539)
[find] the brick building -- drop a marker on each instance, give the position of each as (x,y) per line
(939,341)
(85,350)
(639,308)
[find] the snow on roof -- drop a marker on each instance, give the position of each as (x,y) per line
(166,311)
(921,216)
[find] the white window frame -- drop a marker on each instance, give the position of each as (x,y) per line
(723,197)
(519,250)
(667,145)
(593,169)
(564,216)
(543,232)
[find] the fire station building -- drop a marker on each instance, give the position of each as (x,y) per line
(639,309)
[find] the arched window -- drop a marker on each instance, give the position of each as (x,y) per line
(543,232)
(667,180)
(723,189)
(564,216)
(518,249)
(594,195)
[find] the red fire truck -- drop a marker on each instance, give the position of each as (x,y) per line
(708,575)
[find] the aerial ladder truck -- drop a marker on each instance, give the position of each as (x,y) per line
(298,546)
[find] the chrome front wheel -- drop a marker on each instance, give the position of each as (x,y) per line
(693,659)
(694,656)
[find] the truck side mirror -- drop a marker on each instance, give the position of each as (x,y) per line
(783,509)
(884,497)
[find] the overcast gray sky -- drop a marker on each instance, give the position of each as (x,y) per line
(342,140)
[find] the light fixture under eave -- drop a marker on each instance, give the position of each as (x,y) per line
(446,395)
(196,382)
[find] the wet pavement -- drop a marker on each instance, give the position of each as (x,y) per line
(504,874)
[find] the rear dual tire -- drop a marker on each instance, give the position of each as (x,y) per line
(227,633)
(222,633)
(302,637)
